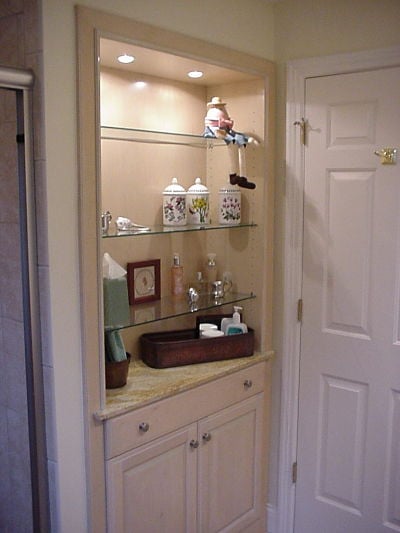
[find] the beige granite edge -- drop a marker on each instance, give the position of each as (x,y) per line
(147,385)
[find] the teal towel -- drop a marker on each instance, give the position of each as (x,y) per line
(114,345)
(116,302)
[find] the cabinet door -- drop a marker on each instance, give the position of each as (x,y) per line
(153,488)
(230,467)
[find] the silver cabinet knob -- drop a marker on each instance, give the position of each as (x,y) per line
(194,444)
(247,384)
(206,437)
(143,427)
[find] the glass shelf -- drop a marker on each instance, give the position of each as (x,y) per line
(172,307)
(159,230)
(158,137)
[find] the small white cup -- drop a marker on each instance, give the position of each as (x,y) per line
(212,333)
(205,326)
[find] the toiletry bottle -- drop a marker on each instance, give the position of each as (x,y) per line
(177,285)
(211,271)
(235,326)
(228,320)
(200,283)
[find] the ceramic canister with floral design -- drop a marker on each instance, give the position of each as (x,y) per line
(198,203)
(229,205)
(174,204)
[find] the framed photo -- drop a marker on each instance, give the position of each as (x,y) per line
(144,281)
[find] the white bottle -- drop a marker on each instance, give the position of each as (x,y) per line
(233,326)
(229,320)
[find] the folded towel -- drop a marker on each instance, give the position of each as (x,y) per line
(114,347)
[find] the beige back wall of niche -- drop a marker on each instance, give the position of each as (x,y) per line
(241,251)
(134,174)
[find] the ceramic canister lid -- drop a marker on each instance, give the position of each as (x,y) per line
(174,188)
(229,189)
(198,187)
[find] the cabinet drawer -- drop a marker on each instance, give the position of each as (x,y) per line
(142,425)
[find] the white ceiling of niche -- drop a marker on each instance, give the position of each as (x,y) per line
(164,65)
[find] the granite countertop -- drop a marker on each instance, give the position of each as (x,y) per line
(146,385)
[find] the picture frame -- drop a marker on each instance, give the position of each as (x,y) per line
(144,281)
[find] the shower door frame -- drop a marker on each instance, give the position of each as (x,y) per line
(21,81)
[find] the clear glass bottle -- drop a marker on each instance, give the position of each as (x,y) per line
(177,282)
(211,270)
(199,283)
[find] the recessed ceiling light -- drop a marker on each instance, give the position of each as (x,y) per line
(195,74)
(125,58)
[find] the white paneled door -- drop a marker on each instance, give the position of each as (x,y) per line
(349,398)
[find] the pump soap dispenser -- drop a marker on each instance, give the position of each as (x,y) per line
(233,326)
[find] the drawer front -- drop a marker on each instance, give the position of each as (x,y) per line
(147,423)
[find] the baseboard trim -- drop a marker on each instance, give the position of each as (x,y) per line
(271,518)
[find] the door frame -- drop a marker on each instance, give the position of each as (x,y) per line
(297,73)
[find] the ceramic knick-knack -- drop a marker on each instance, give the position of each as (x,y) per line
(174,204)
(198,203)
(229,205)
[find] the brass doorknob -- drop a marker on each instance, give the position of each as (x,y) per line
(387,155)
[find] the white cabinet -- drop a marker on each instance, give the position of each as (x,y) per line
(153,488)
(229,467)
(206,476)
(129,183)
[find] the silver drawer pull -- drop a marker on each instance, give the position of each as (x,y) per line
(206,437)
(247,384)
(194,444)
(143,427)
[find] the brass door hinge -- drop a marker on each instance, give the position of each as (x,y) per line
(303,130)
(294,472)
(300,310)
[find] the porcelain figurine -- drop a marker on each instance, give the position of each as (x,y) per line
(218,124)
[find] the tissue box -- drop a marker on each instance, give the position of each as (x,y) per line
(116,305)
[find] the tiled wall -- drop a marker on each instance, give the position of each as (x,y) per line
(20,46)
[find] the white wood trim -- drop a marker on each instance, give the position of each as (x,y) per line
(297,73)
(271,518)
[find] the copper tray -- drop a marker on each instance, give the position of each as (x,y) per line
(184,347)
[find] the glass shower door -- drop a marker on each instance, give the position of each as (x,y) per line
(22,483)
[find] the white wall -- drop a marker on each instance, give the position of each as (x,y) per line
(308,28)
(226,22)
